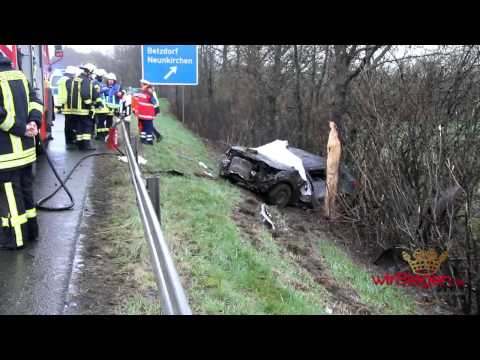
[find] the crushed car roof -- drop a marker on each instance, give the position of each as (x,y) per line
(254,155)
(310,161)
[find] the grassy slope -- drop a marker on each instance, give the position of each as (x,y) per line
(222,272)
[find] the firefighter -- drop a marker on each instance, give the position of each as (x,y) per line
(112,94)
(82,97)
(145,110)
(157,134)
(70,73)
(20,118)
(102,120)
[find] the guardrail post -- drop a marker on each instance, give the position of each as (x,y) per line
(127,125)
(135,148)
(153,188)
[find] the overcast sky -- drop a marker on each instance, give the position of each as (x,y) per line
(106,49)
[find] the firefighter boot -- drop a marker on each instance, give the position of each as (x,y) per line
(32,225)
(87,146)
(6,242)
(158,136)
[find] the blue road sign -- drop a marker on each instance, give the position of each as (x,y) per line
(170,64)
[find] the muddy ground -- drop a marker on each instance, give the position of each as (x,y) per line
(99,284)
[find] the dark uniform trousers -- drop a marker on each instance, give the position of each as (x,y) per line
(104,123)
(146,131)
(70,129)
(84,129)
(80,97)
(17,207)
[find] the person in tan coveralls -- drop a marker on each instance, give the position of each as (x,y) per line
(334,151)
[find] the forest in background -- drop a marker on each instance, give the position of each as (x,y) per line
(124,62)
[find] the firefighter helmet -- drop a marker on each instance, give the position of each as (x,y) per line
(100,72)
(71,70)
(89,68)
(78,71)
(111,76)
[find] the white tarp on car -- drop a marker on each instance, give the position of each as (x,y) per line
(278,150)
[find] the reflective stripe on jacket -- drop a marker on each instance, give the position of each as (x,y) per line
(81,95)
(18,106)
(62,94)
(144,106)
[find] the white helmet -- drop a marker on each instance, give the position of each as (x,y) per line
(111,76)
(78,71)
(100,72)
(89,68)
(146,82)
(70,70)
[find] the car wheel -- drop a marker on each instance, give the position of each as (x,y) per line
(280,195)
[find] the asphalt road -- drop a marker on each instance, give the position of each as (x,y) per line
(35,280)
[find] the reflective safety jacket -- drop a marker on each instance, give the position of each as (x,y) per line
(18,106)
(145,105)
(81,95)
(62,94)
(101,102)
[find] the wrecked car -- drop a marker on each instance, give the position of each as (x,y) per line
(285,175)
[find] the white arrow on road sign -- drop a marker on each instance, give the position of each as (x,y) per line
(173,70)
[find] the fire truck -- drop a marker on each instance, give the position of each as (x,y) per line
(35,62)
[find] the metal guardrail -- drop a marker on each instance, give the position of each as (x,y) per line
(173,298)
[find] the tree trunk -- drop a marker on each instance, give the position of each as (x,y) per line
(298,96)
(275,88)
(211,59)
(334,151)
(340,84)
(224,59)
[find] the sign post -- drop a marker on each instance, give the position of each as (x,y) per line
(183,104)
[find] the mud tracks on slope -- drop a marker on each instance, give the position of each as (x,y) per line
(299,231)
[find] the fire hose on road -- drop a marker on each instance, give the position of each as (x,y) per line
(63,182)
